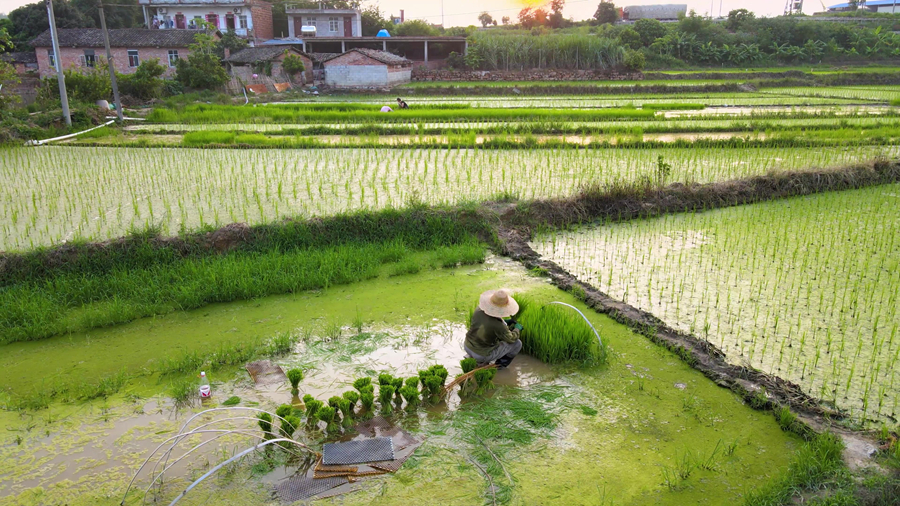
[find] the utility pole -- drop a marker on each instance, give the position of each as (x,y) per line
(109,62)
(60,78)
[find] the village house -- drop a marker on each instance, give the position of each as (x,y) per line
(250,19)
(83,48)
(24,62)
(361,67)
(323,22)
(263,65)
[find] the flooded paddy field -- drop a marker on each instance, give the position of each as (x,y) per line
(616,432)
(805,288)
(52,196)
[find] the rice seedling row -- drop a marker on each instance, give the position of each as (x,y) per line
(57,194)
(755,122)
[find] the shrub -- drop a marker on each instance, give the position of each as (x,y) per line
(635,61)
(202,68)
(146,82)
(293,64)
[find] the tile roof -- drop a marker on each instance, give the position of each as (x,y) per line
(321,57)
(23,57)
(260,53)
(381,56)
(123,37)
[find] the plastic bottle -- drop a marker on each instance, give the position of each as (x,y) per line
(205,390)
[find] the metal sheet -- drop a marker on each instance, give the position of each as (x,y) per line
(298,488)
(392,466)
(265,372)
(376,449)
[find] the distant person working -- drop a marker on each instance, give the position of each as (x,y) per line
(401,104)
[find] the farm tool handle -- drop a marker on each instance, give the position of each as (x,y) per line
(585,319)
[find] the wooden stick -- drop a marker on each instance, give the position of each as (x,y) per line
(463,378)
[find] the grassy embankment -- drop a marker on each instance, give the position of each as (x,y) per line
(306,113)
(82,286)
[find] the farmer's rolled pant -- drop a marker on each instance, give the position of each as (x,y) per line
(505,351)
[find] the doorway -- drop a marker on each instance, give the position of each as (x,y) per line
(348,26)
(179,21)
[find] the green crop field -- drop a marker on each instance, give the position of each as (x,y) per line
(755,216)
(56,198)
(807,288)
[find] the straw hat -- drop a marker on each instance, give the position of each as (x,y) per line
(498,303)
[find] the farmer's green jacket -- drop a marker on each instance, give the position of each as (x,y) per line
(487,332)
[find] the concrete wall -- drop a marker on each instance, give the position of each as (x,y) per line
(356,70)
(258,14)
(190,12)
(71,58)
(322,24)
(356,76)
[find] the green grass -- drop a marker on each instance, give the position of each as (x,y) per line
(143,277)
(296,114)
(816,466)
(503,424)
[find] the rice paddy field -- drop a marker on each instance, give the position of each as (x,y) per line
(806,289)
(370,241)
(178,189)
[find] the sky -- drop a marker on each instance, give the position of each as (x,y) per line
(465,12)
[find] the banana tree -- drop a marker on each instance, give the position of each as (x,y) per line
(814,49)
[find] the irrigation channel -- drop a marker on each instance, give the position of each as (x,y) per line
(738,262)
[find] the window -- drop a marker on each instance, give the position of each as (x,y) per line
(90,59)
(133,59)
(51,57)
(213,19)
(310,21)
(242,22)
(196,22)
(333,25)
(173,57)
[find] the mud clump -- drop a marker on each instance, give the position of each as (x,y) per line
(228,237)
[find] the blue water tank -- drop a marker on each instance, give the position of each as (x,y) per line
(383,33)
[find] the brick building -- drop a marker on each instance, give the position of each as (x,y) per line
(250,19)
(367,68)
(325,22)
(83,48)
(23,62)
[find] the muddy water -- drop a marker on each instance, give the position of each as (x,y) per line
(652,408)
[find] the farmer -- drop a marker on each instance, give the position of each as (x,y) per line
(386,109)
(490,338)
(401,104)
